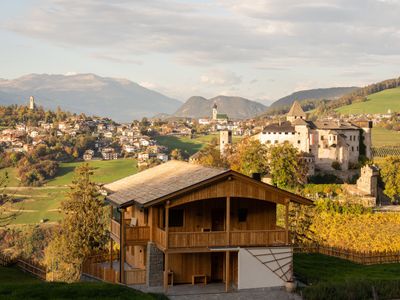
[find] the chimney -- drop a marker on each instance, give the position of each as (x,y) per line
(256,176)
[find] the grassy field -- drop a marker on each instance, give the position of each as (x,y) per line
(15,284)
(331,278)
(377,103)
(384,137)
(317,268)
(105,171)
(188,145)
(41,203)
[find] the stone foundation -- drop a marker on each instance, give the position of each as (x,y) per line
(155,266)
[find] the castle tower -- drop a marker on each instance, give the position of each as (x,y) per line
(296,112)
(32,105)
(214,112)
(225,138)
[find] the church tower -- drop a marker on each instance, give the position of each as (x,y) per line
(214,112)
(32,105)
(296,112)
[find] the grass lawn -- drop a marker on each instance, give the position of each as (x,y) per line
(384,137)
(15,284)
(316,268)
(188,145)
(331,278)
(42,203)
(105,171)
(35,204)
(377,103)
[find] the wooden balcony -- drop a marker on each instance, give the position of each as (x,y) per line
(248,238)
(134,235)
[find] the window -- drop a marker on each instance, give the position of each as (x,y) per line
(352,148)
(298,142)
(268,142)
(276,142)
(242,214)
(286,132)
(322,137)
(176,218)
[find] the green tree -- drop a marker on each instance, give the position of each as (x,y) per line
(391,176)
(83,229)
(176,154)
(210,156)
(6,216)
(287,168)
(249,156)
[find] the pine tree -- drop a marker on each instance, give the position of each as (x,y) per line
(83,229)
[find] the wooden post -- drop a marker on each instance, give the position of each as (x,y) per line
(166,267)
(227,269)
(228,219)
(122,245)
(111,253)
(150,218)
(111,240)
(287,201)
(166,256)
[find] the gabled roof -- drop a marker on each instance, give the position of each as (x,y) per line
(175,178)
(279,127)
(334,125)
(296,110)
(159,181)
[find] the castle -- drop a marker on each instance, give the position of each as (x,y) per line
(326,144)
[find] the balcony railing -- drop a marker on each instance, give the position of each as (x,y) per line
(133,234)
(219,238)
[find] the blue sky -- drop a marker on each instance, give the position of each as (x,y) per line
(259,49)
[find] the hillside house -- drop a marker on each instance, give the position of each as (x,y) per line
(179,223)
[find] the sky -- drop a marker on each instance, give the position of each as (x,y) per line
(259,49)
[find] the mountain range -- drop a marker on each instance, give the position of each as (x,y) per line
(234,107)
(313,94)
(120,99)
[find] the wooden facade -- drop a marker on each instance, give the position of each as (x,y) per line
(199,228)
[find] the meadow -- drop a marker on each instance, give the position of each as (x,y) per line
(376,103)
(188,145)
(36,204)
(332,278)
(15,284)
(383,137)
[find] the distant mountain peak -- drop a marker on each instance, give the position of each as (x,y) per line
(235,107)
(117,98)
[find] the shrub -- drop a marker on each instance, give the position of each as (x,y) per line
(336,165)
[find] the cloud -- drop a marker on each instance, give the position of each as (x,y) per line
(221,78)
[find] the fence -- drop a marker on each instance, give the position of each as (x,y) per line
(32,268)
(365,258)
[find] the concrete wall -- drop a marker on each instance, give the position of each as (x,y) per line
(254,269)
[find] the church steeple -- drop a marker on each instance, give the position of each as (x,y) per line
(214,111)
(32,104)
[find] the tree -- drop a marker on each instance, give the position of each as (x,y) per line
(288,169)
(83,229)
(210,156)
(176,154)
(248,156)
(6,217)
(391,176)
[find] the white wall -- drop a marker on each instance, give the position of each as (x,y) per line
(253,273)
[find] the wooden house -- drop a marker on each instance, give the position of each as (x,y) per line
(183,223)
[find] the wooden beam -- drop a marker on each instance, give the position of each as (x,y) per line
(166,222)
(287,202)
(228,219)
(122,245)
(166,270)
(150,221)
(227,271)
(111,253)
